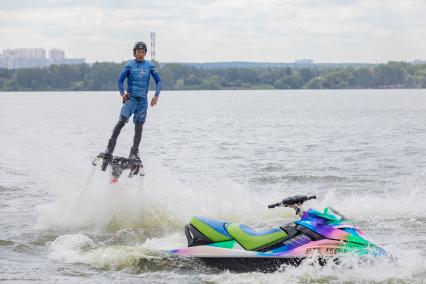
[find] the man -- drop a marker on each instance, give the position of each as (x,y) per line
(135,101)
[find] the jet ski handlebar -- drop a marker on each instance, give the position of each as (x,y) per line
(293,201)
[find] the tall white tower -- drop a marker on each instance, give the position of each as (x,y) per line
(152,46)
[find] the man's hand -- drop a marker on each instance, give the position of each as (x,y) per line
(154,100)
(125,96)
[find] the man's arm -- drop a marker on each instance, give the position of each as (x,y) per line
(157,80)
(123,75)
(158,84)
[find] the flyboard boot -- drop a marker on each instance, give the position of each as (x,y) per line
(136,163)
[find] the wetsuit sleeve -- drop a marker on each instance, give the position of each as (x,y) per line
(123,75)
(157,79)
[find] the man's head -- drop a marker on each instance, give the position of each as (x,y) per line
(139,50)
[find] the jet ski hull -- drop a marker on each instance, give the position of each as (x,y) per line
(322,236)
(244,264)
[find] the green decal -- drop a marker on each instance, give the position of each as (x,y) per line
(228,244)
(252,242)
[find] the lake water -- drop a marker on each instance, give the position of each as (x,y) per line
(221,154)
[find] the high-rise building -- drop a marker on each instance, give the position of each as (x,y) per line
(34,57)
(25,52)
(56,54)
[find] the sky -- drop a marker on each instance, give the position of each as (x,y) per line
(210,31)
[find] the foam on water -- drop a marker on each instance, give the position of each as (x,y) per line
(407,201)
(350,270)
(160,205)
(158,201)
(79,248)
(161,202)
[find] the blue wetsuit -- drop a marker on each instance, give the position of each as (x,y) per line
(138,75)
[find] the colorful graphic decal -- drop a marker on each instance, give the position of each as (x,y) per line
(340,236)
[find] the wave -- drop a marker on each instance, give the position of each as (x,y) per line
(126,226)
(269,179)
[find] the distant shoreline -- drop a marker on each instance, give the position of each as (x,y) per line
(151,92)
(176,76)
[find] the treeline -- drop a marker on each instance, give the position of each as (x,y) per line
(103,76)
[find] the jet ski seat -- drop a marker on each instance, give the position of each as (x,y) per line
(251,239)
(212,229)
(220,231)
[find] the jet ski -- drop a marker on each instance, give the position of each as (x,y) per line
(321,234)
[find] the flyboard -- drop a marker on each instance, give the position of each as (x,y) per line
(118,165)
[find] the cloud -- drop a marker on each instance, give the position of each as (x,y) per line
(251,30)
